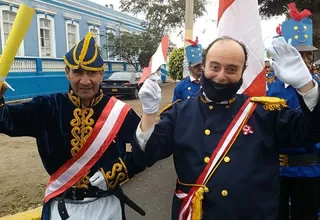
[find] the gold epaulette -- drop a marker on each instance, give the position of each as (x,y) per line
(169,106)
(270,103)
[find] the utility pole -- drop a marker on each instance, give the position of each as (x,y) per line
(188,32)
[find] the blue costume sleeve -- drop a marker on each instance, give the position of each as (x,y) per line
(294,128)
(24,119)
(160,144)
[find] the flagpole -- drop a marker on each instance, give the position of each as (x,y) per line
(188,34)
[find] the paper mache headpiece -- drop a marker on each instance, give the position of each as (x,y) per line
(298,28)
(194,52)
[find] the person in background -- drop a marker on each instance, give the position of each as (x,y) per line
(299,167)
(190,86)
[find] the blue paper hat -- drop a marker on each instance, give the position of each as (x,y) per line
(194,53)
(299,29)
(85,55)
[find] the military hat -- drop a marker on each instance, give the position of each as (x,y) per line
(194,52)
(85,55)
(299,29)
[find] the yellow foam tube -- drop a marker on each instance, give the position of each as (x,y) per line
(34,214)
(19,29)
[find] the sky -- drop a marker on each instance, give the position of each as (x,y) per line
(205,27)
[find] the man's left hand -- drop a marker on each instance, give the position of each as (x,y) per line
(99,181)
(288,64)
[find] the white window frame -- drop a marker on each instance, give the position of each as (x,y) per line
(15,10)
(52,37)
(77,32)
(98,33)
(110,30)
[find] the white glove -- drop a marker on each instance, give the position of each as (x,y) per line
(288,64)
(99,181)
(150,95)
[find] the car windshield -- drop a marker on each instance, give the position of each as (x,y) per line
(121,75)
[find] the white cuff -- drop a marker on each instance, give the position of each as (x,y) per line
(311,98)
(143,137)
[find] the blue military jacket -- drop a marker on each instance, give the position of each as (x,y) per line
(277,88)
(186,89)
(61,125)
(246,184)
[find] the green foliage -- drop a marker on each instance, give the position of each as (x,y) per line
(162,14)
(175,64)
(271,8)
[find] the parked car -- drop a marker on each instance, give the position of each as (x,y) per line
(122,83)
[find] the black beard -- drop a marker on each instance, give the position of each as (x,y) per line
(218,92)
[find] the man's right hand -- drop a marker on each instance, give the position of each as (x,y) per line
(3,89)
(150,95)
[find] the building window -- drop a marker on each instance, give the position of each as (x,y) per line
(47,42)
(72,28)
(110,31)
(7,17)
(96,32)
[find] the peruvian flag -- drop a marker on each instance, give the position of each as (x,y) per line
(240,20)
(159,58)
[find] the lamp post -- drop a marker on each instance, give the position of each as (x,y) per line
(188,33)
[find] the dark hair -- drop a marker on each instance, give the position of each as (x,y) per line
(224,38)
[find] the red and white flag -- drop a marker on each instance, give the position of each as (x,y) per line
(240,20)
(158,59)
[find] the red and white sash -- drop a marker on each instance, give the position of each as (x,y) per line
(223,147)
(104,132)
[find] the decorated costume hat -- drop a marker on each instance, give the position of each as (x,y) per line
(298,28)
(85,55)
(194,52)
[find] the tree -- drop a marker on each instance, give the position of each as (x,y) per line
(162,14)
(175,64)
(271,8)
(124,47)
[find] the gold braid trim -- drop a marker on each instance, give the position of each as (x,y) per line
(271,79)
(76,100)
(169,106)
(196,202)
(82,129)
(118,174)
(270,103)
(84,49)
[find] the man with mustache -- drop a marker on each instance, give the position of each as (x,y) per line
(299,167)
(190,86)
(226,146)
(81,138)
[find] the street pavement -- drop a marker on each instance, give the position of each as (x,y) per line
(152,190)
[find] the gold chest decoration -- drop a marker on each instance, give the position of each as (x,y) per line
(270,103)
(271,79)
(82,127)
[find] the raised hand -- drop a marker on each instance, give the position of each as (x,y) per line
(287,63)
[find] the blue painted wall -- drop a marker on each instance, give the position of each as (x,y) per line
(107,18)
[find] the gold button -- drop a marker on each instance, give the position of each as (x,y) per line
(226,159)
(188,97)
(207,159)
(224,193)
(210,107)
(207,132)
(227,106)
